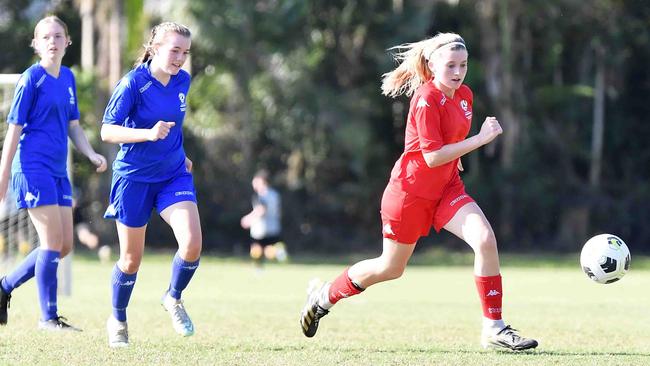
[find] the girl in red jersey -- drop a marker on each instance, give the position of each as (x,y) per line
(425,188)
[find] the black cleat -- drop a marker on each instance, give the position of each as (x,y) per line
(4,304)
(507,338)
(312,312)
(57,324)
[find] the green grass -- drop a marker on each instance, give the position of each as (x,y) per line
(431,316)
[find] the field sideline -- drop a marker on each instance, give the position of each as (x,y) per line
(431,316)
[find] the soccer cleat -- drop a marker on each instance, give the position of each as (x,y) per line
(180,320)
(312,312)
(4,304)
(57,324)
(507,338)
(118,333)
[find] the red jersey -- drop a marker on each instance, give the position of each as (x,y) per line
(434,120)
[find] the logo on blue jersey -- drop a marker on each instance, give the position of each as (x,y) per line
(181,97)
(71,95)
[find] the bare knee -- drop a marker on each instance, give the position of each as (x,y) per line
(190,249)
(487,245)
(129,264)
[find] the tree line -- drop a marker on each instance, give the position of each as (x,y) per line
(293,87)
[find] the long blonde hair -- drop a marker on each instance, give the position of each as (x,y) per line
(157,34)
(413,70)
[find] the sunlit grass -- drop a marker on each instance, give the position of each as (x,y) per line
(431,316)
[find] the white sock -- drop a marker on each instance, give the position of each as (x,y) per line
(493,326)
(324,297)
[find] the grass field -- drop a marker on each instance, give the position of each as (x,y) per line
(431,316)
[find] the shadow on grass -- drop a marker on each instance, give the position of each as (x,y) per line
(461,351)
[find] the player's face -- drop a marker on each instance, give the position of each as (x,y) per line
(173,52)
(449,68)
(51,41)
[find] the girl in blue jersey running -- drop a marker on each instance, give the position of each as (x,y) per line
(145,116)
(43,115)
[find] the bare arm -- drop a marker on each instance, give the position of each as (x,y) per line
(8,151)
(247,221)
(489,131)
(125,135)
(80,141)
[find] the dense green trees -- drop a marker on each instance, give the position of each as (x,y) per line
(293,86)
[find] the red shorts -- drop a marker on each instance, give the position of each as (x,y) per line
(405,217)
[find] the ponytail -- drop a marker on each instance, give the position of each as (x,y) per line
(157,34)
(413,69)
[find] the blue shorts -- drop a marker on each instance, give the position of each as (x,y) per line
(131,202)
(34,189)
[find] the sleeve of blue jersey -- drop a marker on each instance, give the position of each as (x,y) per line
(74,112)
(122,101)
(23,99)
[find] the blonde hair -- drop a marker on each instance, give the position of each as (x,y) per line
(157,34)
(413,70)
(50,19)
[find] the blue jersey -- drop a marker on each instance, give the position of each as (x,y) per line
(140,101)
(44,106)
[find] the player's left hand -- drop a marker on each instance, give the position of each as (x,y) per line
(99,161)
(188,164)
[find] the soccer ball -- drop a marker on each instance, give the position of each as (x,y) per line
(605,258)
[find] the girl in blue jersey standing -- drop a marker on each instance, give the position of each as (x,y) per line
(145,116)
(43,115)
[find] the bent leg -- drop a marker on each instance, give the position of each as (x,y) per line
(470,224)
(184,219)
(389,265)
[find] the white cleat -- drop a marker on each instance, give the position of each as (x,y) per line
(180,320)
(507,338)
(118,333)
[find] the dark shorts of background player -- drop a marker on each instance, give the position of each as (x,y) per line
(269,240)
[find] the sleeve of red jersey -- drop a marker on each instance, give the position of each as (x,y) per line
(427,122)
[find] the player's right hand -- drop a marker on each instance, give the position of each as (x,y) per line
(490,130)
(160,130)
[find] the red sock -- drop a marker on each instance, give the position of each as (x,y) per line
(343,287)
(491,294)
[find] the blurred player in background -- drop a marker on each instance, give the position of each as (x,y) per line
(43,115)
(145,116)
(264,221)
(425,189)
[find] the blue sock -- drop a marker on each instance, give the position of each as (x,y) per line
(122,284)
(47,262)
(22,273)
(182,273)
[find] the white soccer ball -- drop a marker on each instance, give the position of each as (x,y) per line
(605,258)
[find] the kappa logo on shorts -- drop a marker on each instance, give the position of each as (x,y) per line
(388,229)
(110,210)
(30,197)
